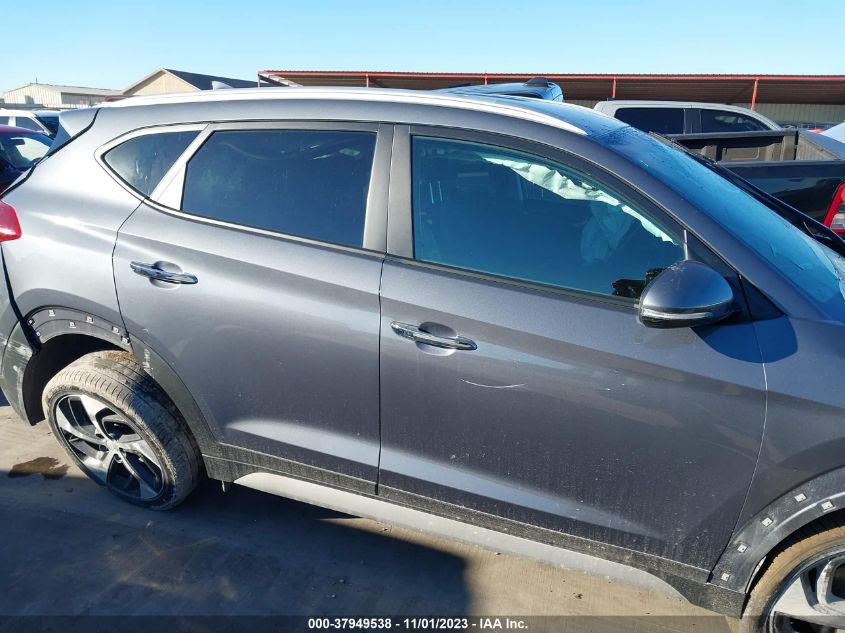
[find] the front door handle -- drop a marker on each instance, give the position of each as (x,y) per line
(414,333)
(159,274)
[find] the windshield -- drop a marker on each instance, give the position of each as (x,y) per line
(50,121)
(22,151)
(813,268)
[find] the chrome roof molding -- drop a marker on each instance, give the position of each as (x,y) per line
(513,107)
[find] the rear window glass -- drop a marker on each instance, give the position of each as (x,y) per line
(50,121)
(308,183)
(660,120)
(726,121)
(141,162)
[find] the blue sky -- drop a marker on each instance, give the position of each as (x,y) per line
(110,44)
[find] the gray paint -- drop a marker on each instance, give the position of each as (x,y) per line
(570,415)
(312,311)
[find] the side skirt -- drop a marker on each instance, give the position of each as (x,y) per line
(468,526)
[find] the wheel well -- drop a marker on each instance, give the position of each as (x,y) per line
(54,355)
(820,523)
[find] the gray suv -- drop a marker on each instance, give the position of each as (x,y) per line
(507,320)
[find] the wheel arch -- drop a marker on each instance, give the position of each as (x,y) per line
(773,528)
(51,338)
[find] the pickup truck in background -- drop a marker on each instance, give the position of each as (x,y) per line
(685,117)
(806,171)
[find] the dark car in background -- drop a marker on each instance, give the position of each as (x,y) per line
(445,312)
(20,149)
(800,168)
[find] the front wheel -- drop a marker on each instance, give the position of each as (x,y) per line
(122,431)
(802,589)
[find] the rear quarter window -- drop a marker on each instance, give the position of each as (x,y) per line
(141,162)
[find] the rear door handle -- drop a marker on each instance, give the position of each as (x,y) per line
(413,333)
(159,274)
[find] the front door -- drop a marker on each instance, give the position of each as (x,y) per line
(517,381)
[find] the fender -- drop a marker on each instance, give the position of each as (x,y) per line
(751,545)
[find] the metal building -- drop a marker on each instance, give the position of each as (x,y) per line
(166,80)
(56,96)
(799,100)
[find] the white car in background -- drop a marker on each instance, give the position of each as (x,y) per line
(45,121)
(686,117)
(837,132)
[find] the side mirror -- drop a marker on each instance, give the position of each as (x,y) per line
(686,294)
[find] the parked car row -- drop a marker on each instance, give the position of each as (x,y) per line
(44,121)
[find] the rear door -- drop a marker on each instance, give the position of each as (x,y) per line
(276,233)
(517,382)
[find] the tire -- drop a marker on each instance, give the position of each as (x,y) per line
(122,430)
(808,551)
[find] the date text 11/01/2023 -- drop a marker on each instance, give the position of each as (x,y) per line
(418,623)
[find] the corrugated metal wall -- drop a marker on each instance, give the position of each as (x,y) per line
(801,112)
(50,97)
(34,94)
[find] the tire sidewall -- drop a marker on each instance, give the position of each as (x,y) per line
(785,567)
(53,394)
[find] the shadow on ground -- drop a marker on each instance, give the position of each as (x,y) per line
(234,553)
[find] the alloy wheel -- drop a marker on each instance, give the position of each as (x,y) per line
(109,446)
(813,599)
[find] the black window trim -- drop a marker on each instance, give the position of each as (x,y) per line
(400,212)
(167,198)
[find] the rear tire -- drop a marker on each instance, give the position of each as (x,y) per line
(799,566)
(122,430)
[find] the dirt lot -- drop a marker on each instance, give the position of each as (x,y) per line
(69,548)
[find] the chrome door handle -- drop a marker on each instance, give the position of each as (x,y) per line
(413,333)
(159,274)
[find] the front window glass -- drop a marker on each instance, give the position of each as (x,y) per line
(811,267)
(497,211)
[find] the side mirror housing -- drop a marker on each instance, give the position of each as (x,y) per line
(686,294)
